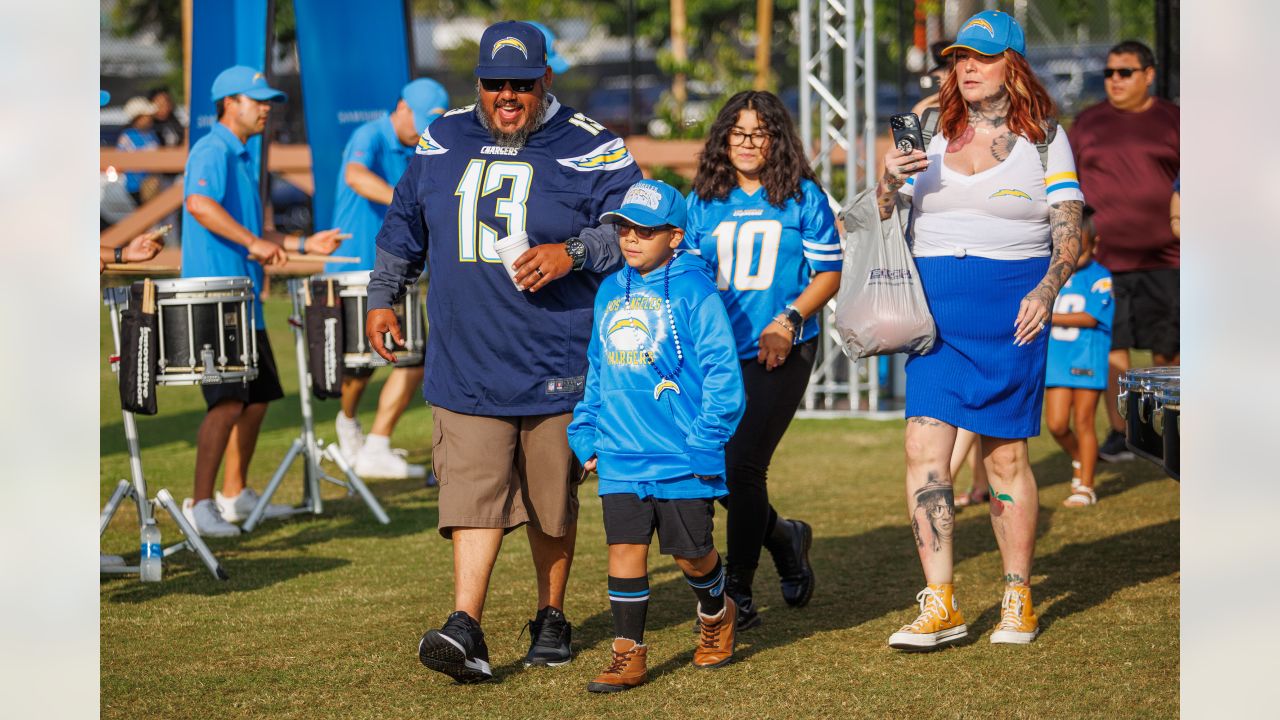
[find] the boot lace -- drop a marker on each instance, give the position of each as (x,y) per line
(931,605)
(620,660)
(710,633)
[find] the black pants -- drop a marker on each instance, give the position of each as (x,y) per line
(772,400)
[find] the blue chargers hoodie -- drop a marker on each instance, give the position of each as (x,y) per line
(641,429)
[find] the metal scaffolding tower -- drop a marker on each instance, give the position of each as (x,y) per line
(837,68)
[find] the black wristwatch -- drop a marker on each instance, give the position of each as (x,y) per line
(577,252)
(796,319)
(120,254)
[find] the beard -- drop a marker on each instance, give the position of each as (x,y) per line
(518,138)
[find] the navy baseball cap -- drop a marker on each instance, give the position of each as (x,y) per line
(557,64)
(427,99)
(650,203)
(512,50)
(990,32)
(244,80)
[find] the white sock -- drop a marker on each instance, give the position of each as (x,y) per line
(348,421)
(377,443)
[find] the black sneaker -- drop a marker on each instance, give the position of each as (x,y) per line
(1113,449)
(552,637)
(457,650)
(789,546)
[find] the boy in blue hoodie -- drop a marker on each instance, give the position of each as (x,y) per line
(663,395)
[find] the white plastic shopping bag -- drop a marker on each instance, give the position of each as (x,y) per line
(881,308)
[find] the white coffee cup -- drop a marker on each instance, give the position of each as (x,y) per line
(510,248)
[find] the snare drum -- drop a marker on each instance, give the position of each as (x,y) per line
(1168,424)
(206,330)
(353,288)
(1137,404)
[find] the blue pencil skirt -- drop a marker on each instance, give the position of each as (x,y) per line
(974,377)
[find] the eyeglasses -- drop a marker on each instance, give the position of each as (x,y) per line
(640,231)
(494,85)
(1122,72)
(758,139)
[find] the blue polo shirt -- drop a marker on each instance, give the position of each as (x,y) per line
(375,146)
(219,167)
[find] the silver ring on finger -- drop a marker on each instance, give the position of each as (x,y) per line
(1040,327)
(539,271)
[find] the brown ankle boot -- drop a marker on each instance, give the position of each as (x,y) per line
(625,671)
(716,639)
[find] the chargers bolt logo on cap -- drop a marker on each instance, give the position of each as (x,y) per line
(511,43)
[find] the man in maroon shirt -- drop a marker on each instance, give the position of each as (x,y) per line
(1126,153)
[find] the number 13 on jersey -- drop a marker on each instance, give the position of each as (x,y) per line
(736,246)
(481,179)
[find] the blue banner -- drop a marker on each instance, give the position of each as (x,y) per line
(354,60)
(224,33)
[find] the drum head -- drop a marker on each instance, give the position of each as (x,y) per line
(234,284)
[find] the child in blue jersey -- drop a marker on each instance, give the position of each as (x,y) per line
(1076,374)
(663,395)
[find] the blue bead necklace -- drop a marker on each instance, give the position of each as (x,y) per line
(666,382)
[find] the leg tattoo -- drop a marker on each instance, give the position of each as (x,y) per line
(935,504)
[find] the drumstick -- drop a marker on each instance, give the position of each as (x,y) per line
(295,257)
(148,297)
(137,268)
(329,301)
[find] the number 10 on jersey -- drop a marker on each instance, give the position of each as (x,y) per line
(481,179)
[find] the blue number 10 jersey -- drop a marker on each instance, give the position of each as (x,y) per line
(764,255)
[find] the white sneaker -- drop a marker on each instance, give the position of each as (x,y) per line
(206,520)
(386,463)
(238,508)
(105,560)
(350,436)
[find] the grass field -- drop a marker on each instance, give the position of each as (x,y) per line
(322,615)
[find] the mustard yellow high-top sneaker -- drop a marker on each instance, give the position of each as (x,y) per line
(940,621)
(1018,622)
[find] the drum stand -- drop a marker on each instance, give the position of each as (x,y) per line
(115,298)
(308,446)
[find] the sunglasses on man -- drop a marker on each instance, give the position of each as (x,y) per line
(1125,73)
(494,85)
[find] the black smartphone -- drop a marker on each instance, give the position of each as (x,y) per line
(906,132)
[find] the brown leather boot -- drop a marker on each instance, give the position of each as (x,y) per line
(716,639)
(625,671)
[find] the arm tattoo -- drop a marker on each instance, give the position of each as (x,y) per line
(1064,228)
(1002,146)
(935,507)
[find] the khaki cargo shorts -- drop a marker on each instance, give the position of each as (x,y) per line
(503,472)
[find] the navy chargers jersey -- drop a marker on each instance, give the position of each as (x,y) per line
(493,349)
(764,256)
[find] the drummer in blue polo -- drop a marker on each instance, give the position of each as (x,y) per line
(222,235)
(375,157)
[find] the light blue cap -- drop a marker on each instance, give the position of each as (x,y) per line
(244,80)
(990,32)
(557,64)
(427,99)
(650,203)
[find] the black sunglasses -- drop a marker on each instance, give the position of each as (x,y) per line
(1122,72)
(517,86)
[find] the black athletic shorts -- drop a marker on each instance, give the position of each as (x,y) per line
(684,526)
(264,389)
(1146,311)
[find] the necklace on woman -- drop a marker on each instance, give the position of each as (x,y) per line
(665,382)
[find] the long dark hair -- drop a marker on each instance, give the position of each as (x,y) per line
(1030,107)
(785,164)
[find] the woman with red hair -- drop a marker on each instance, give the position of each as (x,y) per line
(995,232)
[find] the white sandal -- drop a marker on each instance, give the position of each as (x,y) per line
(1081,496)
(1075,475)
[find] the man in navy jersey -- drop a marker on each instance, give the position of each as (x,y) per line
(508,361)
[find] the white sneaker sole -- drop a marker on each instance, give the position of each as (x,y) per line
(234,531)
(927,641)
(1013,637)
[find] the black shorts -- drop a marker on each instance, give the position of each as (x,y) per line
(261,390)
(684,526)
(364,372)
(1146,311)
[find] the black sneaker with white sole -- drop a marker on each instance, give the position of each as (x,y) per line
(1114,449)
(552,635)
(457,650)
